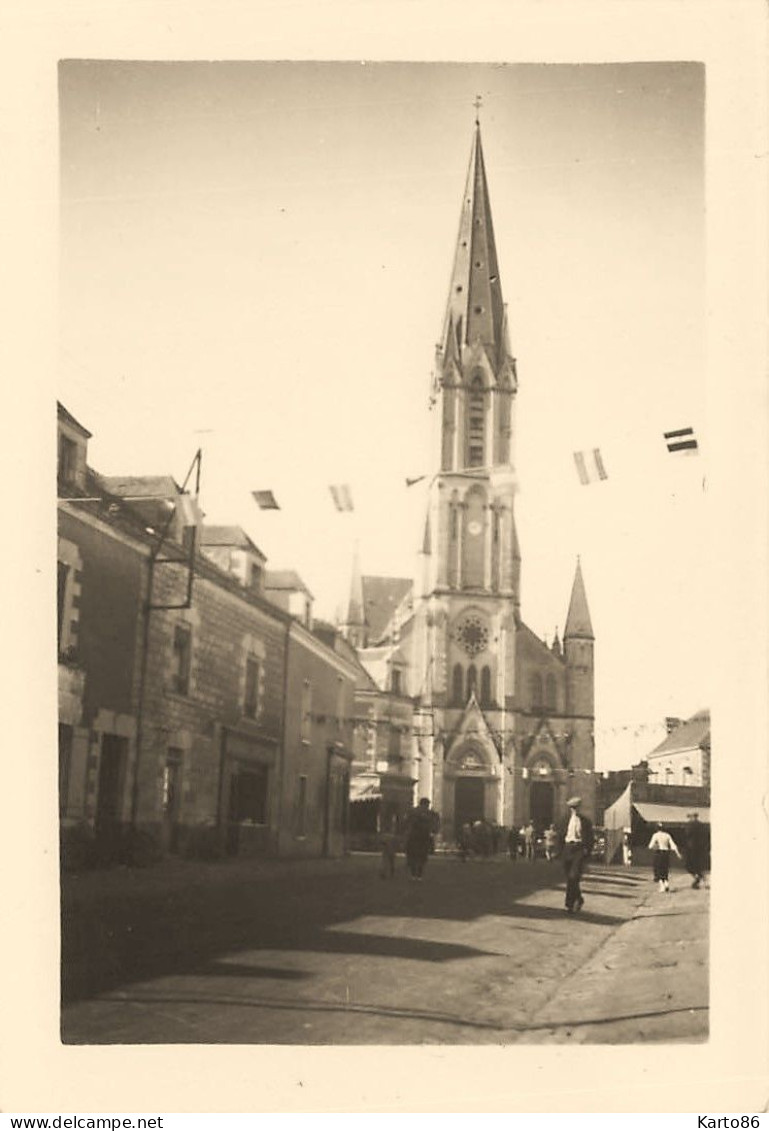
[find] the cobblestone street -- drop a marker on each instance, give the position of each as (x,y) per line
(326,952)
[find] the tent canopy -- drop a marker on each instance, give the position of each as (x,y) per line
(669,814)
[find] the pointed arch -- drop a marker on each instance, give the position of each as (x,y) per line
(475,428)
(457,685)
(472,680)
(474,536)
(455,512)
(485,686)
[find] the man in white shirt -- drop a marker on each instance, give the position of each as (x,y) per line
(576,834)
(662,844)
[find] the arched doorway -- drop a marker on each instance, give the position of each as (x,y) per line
(468,801)
(541,804)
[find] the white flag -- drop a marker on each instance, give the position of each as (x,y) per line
(188,510)
(342,497)
(590,468)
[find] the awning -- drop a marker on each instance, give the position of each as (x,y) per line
(365,790)
(670,814)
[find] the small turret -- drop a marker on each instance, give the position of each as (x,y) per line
(578,643)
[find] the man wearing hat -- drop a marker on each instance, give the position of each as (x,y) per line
(576,835)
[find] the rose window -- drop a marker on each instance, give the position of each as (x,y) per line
(473,635)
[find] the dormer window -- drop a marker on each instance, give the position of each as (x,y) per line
(255,577)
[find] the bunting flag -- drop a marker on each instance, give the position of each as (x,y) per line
(590,468)
(265,500)
(682,441)
(342,497)
(411,482)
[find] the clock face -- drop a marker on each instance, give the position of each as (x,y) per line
(474,528)
(472,634)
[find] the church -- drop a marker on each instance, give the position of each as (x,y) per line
(502,723)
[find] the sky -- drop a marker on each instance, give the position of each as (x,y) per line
(255,259)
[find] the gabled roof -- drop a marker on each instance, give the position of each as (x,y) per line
(286,579)
(691,735)
(68,418)
(381,598)
(233,536)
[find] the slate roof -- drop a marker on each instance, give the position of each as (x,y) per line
(285,579)
(381,597)
(691,735)
(228,536)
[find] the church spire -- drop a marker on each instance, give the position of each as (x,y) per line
(578,620)
(355,623)
(475,311)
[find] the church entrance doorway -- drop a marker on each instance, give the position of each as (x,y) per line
(468,801)
(541,809)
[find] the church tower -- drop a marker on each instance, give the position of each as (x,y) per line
(502,723)
(468,594)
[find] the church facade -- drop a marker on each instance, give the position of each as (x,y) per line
(502,722)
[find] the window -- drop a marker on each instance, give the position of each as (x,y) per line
(251,698)
(535,690)
(476,420)
(61,599)
(454,522)
(485,687)
(67,459)
(180,678)
(255,577)
(306,720)
(457,682)
(472,680)
(395,681)
(300,820)
(65,763)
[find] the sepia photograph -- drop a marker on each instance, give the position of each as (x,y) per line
(383,571)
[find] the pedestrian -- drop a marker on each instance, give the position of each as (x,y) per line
(576,835)
(389,851)
(465,838)
(696,849)
(551,842)
(512,843)
(421,826)
(627,848)
(528,841)
(662,844)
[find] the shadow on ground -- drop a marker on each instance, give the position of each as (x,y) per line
(121,932)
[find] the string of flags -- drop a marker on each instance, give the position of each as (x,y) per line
(591,467)
(589,463)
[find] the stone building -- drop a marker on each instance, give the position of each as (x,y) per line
(683,757)
(503,722)
(195,715)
